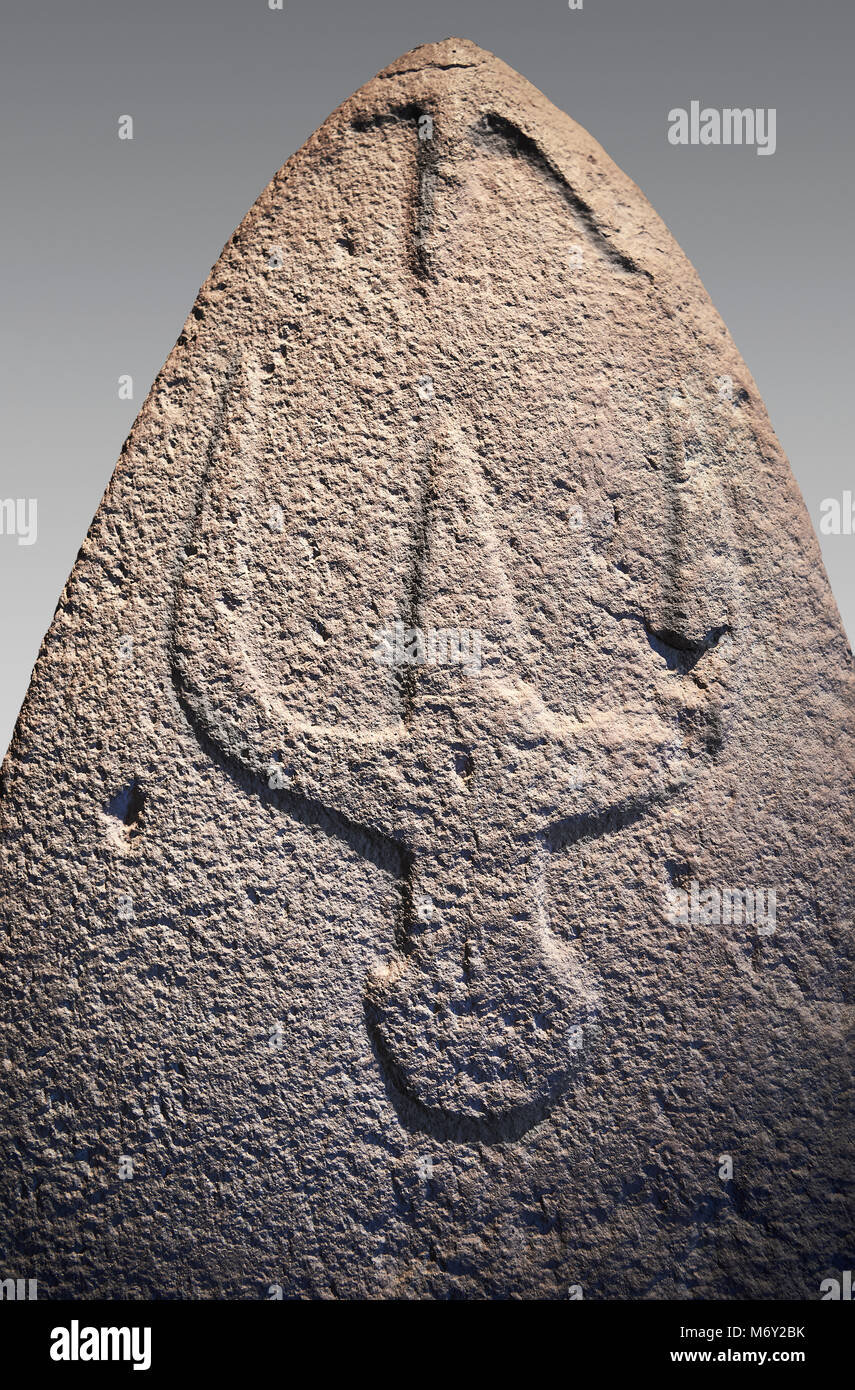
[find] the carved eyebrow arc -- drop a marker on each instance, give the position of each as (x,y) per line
(421,201)
(391,115)
(499,133)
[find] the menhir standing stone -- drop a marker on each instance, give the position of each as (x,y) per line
(426,861)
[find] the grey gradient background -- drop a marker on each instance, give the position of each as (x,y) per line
(106,242)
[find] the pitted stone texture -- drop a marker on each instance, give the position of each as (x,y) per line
(368,965)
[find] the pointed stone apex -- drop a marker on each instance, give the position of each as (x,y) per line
(449,53)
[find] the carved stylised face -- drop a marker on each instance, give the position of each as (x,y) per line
(410,572)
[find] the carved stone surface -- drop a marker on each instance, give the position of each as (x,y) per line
(452,628)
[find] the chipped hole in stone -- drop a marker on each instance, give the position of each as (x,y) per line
(679,872)
(464,764)
(127,806)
